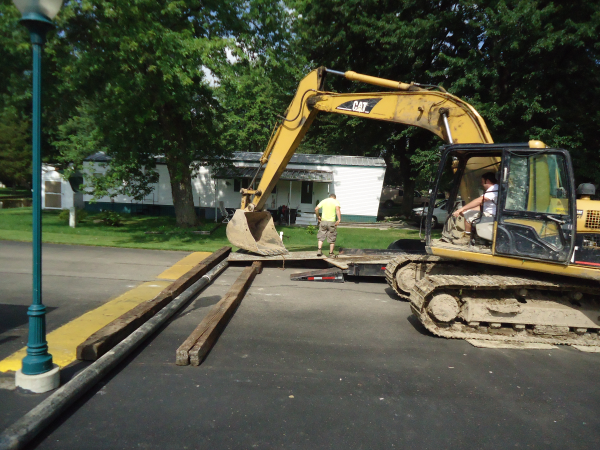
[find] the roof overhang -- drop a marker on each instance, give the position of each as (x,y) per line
(321,176)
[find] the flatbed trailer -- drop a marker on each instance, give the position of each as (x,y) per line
(350,262)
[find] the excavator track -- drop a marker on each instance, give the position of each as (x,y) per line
(414,267)
(509,308)
(404,271)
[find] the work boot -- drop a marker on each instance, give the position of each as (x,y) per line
(319,252)
(331,255)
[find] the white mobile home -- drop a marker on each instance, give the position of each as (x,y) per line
(58,193)
(308,179)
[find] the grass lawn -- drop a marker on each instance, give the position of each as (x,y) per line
(15,225)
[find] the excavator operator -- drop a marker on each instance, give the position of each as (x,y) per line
(486,205)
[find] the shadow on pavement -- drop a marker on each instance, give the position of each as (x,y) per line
(13,316)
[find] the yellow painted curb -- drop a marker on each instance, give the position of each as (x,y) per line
(63,341)
(183,266)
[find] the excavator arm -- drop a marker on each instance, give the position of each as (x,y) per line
(445,115)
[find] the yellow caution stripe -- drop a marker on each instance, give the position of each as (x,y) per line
(63,342)
(183,266)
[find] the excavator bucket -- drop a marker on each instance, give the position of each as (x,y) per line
(255,232)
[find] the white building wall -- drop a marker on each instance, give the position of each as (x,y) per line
(50,174)
(358,189)
(97,168)
(162,190)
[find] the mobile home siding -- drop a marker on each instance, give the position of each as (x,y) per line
(356,183)
(358,189)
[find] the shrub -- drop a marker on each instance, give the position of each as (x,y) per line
(80,215)
(311,229)
(64,215)
(111,218)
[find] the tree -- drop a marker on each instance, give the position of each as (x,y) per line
(532,69)
(15,98)
(16,87)
(393,40)
(15,148)
(140,68)
(255,90)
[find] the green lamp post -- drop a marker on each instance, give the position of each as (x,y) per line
(38,373)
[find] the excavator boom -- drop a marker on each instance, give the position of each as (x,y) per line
(447,116)
(545,290)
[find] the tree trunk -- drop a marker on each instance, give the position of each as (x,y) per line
(181,191)
(407,182)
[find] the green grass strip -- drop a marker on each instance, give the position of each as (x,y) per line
(16,225)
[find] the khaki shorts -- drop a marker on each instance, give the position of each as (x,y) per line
(327,230)
(471,217)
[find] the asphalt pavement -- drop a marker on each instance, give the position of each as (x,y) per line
(306,365)
(76,279)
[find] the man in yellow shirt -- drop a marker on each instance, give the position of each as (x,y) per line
(327,223)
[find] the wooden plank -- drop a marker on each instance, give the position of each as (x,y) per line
(341,261)
(337,263)
(106,338)
(198,344)
(292,256)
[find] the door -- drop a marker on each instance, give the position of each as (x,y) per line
(537,204)
(307,193)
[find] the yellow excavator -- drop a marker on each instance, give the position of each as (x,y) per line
(529,274)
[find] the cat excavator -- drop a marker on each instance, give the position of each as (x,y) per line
(529,274)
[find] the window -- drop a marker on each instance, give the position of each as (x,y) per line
(537,183)
(53,196)
(535,221)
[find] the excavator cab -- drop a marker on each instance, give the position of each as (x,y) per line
(536,206)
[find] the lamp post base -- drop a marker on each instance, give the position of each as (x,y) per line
(41,383)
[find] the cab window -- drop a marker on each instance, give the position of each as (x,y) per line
(537,183)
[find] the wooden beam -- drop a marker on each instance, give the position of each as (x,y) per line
(292,256)
(106,338)
(195,348)
(337,263)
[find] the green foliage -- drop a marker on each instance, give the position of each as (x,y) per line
(78,137)
(15,148)
(137,71)
(194,81)
(256,88)
(15,54)
(394,40)
(529,67)
(15,224)
(111,218)
(311,229)
(80,215)
(15,192)
(64,215)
